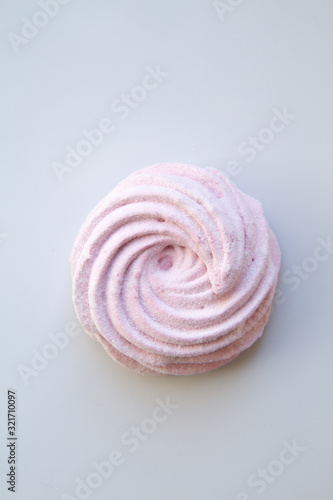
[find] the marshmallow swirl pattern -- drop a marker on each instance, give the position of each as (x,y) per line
(175,270)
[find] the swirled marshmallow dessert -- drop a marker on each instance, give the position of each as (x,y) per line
(175,270)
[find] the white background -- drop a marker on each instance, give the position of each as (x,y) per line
(226,74)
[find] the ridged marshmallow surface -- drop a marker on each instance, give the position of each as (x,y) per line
(175,270)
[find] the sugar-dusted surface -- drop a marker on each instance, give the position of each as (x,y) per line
(175,270)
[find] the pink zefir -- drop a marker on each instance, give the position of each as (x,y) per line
(175,270)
